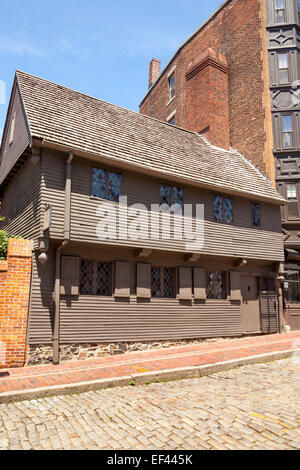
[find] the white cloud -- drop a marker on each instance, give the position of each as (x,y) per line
(17,46)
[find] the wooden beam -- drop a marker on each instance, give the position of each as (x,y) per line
(193,257)
(240,262)
(144,253)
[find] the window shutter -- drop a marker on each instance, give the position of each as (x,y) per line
(122,280)
(185,283)
(235,285)
(199,284)
(69,284)
(143,286)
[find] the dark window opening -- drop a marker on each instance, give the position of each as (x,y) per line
(95,278)
(106,184)
(162,282)
(216,285)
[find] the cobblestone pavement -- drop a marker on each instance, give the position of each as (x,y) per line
(255,407)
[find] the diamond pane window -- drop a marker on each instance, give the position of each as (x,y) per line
(172,86)
(256,215)
(103,280)
(168,279)
(228,211)
(165,194)
(99,183)
(155,282)
(283,66)
(287,131)
(86,277)
(177,195)
(218,208)
(216,285)
(114,187)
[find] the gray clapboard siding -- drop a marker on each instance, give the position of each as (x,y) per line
(22,204)
(11,152)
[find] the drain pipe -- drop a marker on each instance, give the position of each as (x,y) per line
(67,226)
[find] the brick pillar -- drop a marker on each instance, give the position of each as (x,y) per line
(207,101)
(15,278)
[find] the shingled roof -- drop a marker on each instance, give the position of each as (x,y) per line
(85,124)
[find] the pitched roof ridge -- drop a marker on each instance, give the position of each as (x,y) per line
(106,102)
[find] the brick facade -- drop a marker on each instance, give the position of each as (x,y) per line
(15,279)
(238,32)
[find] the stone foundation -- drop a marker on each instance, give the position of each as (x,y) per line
(43,354)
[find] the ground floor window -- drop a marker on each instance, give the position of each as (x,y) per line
(216,285)
(162,282)
(95,278)
(292,288)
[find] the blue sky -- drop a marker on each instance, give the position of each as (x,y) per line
(100,48)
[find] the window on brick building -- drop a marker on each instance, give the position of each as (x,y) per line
(223,209)
(283,67)
(287,131)
(279,11)
(106,184)
(162,282)
(172,86)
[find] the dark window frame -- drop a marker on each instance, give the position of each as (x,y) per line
(162,282)
(94,279)
(289,132)
(253,205)
(224,198)
(108,172)
(172,86)
(276,10)
(172,187)
(226,283)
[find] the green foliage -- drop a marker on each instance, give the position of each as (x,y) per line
(4,237)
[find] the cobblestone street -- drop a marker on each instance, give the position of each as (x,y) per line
(255,407)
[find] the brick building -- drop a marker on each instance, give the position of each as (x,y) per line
(236,82)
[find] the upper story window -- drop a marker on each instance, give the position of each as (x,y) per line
(279,11)
(106,184)
(162,282)
(95,278)
(171,195)
(256,221)
(287,131)
(291,190)
(283,67)
(172,86)
(216,285)
(223,209)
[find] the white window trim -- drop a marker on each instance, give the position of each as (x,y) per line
(172,71)
(171,116)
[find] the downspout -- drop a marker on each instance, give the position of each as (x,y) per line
(67,227)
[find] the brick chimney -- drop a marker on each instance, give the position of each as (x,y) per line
(154,72)
(207,106)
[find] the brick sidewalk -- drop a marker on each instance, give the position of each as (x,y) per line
(113,367)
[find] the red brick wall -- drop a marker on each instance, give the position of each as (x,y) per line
(15,278)
(237,32)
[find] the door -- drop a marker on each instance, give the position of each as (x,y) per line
(250,305)
(269,306)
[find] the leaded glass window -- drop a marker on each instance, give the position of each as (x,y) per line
(162,282)
(256,215)
(106,184)
(172,86)
(228,211)
(287,131)
(103,279)
(216,285)
(223,209)
(95,278)
(279,11)
(155,282)
(99,183)
(171,195)
(86,277)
